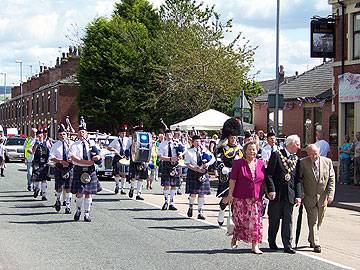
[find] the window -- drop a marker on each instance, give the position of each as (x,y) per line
(312,121)
(349,119)
(356,36)
(49,102)
(333,129)
(271,124)
(37,105)
(42,104)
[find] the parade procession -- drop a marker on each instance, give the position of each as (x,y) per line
(179,134)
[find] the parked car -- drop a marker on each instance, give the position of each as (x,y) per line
(105,168)
(14,149)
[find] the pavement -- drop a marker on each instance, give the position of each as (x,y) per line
(130,234)
(347,197)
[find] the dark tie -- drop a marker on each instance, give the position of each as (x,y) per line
(85,155)
(272,149)
(198,157)
(64,151)
(169,150)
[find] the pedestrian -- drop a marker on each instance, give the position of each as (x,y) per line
(170,179)
(317,177)
(180,151)
(85,183)
(282,192)
(269,147)
(226,154)
(356,150)
(121,161)
(345,160)
(245,195)
(59,155)
(40,167)
(322,143)
(29,156)
(198,160)
(153,164)
(2,157)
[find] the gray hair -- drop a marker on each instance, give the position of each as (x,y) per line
(292,139)
(312,146)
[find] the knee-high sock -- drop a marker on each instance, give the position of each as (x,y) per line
(58,195)
(201,202)
(191,201)
(117,179)
(166,194)
(122,183)
(139,186)
(63,194)
(172,195)
(87,204)
(43,188)
(79,202)
(68,196)
(132,184)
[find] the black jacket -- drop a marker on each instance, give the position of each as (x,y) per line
(275,180)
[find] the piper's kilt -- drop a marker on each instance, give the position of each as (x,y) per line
(223,185)
(138,170)
(119,169)
(40,173)
(60,181)
(194,186)
(166,178)
(79,187)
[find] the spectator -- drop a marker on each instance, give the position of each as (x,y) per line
(323,144)
(345,160)
(356,149)
(269,148)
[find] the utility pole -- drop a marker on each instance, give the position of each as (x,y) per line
(276,112)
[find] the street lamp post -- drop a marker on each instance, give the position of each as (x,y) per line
(276,112)
(21,89)
(4,73)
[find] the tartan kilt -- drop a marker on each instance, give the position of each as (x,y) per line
(223,184)
(40,173)
(136,173)
(90,188)
(60,181)
(120,169)
(2,161)
(194,186)
(167,179)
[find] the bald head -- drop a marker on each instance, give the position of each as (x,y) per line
(313,151)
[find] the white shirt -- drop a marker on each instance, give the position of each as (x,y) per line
(76,150)
(164,147)
(324,147)
(191,156)
(56,151)
(266,151)
(1,150)
(125,141)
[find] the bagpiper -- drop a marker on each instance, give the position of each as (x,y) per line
(59,154)
(84,154)
(121,160)
(40,166)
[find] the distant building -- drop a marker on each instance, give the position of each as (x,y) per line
(46,99)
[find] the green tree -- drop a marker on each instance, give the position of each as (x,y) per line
(117,67)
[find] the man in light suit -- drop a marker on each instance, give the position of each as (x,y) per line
(317,177)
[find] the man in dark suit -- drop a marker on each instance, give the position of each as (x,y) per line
(282,192)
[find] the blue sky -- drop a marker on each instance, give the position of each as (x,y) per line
(35,31)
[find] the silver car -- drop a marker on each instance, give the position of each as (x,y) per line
(14,149)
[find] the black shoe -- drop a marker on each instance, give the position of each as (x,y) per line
(312,245)
(77,215)
(87,218)
(273,246)
(67,210)
(317,249)
(172,207)
(43,198)
(131,193)
(165,206)
(116,190)
(29,188)
(122,192)
(36,192)
(289,250)
(190,212)
(2,175)
(138,197)
(201,216)
(64,203)
(220,223)
(57,206)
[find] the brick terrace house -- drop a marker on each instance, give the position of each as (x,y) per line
(307,107)
(47,98)
(347,63)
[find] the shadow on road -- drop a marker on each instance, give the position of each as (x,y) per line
(12,191)
(163,219)
(41,222)
(106,200)
(28,214)
(219,251)
(183,228)
(34,205)
(17,196)
(22,170)
(133,209)
(5,201)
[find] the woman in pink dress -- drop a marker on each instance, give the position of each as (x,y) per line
(245,186)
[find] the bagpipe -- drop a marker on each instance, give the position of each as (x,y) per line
(41,155)
(205,158)
(94,151)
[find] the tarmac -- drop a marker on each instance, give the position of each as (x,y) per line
(347,197)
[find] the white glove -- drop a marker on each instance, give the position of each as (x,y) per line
(226,170)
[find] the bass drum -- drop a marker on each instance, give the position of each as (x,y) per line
(141,147)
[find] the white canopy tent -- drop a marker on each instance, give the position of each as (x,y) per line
(208,120)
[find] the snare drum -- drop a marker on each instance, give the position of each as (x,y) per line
(124,161)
